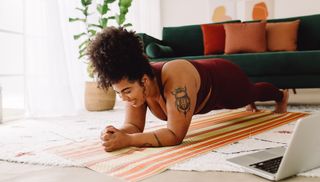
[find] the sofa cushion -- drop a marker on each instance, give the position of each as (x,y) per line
(185,40)
(271,63)
(308,33)
(155,50)
(282,36)
(290,81)
(213,38)
(278,63)
(245,37)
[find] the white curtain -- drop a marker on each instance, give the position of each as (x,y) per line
(145,15)
(54,77)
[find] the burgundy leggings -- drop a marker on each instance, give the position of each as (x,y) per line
(232,89)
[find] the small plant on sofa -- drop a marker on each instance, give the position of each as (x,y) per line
(91,28)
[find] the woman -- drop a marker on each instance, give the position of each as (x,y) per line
(173,91)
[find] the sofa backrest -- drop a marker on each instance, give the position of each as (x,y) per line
(308,33)
(188,40)
(185,40)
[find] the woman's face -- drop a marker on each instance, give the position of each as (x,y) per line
(131,92)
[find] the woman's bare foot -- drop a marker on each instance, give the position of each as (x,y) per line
(281,107)
(251,107)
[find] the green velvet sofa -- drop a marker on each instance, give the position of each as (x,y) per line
(287,69)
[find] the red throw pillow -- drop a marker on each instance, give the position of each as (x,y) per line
(213,38)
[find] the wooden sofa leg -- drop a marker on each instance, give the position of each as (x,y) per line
(294,91)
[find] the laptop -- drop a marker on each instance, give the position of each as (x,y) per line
(302,153)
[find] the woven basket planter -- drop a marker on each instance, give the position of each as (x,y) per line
(98,99)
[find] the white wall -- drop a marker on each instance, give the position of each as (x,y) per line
(186,12)
(145,17)
(183,12)
(288,8)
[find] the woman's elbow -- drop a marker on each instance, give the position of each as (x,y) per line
(177,140)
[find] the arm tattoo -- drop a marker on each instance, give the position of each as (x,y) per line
(182,99)
(159,143)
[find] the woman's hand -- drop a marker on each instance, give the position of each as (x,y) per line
(114,139)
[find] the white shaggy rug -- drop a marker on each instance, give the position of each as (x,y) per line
(25,141)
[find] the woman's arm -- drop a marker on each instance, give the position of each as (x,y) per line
(114,138)
(179,111)
(180,106)
(180,90)
(158,138)
(135,119)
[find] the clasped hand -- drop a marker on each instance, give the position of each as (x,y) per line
(114,139)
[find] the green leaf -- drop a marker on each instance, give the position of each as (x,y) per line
(83,2)
(99,8)
(123,10)
(85,43)
(125,3)
(89,2)
(92,32)
(76,37)
(117,19)
(103,22)
(86,2)
(109,1)
(95,25)
(104,9)
(120,19)
(127,25)
(85,12)
(82,10)
(111,17)
(77,19)
(82,51)
(81,56)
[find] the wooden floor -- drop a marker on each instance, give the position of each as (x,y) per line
(11,172)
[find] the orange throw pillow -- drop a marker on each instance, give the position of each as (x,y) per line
(282,36)
(245,37)
(213,38)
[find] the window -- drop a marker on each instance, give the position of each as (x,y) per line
(12,55)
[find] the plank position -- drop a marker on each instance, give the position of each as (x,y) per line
(173,91)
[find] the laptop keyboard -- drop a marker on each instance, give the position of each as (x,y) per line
(270,166)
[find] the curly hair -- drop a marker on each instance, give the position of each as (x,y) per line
(116,54)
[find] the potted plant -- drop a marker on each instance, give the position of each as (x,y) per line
(98,99)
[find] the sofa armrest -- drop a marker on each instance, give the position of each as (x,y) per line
(154,50)
(147,39)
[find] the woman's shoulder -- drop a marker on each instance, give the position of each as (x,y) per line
(177,64)
(180,74)
(179,69)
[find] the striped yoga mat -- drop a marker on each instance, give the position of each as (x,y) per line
(204,135)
